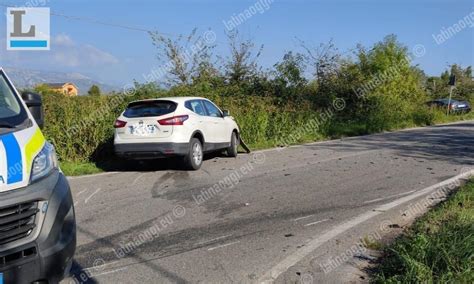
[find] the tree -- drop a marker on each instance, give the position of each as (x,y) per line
(392,89)
(291,70)
(326,62)
(464,88)
(289,81)
(94,91)
(325,59)
(241,67)
(438,87)
(183,58)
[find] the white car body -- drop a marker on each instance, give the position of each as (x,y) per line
(151,136)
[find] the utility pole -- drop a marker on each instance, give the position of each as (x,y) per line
(452,83)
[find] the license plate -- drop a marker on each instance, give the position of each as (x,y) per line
(143,130)
(461,105)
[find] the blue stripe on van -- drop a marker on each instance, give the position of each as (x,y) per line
(14,159)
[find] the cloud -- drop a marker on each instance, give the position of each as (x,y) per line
(63,40)
(65,53)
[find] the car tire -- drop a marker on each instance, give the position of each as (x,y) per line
(234,144)
(195,156)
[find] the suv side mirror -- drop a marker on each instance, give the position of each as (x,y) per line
(226,113)
(35,105)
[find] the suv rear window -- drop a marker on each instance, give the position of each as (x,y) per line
(149,108)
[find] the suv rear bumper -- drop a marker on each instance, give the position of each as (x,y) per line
(150,150)
(48,256)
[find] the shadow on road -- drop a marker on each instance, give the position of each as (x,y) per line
(80,275)
(115,164)
(451,143)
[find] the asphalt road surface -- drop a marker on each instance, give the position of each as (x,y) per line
(236,219)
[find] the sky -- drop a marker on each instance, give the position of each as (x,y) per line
(119,55)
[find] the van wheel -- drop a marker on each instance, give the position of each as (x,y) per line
(234,144)
(193,160)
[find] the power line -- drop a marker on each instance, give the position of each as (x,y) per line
(100,22)
(115,25)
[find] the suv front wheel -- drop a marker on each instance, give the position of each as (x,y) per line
(234,144)
(194,158)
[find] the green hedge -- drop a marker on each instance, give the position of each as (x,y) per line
(81,128)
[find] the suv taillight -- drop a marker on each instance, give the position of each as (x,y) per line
(119,124)
(175,120)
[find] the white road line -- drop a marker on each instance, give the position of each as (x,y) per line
(101,266)
(108,272)
(91,176)
(90,196)
(216,239)
(271,275)
(81,192)
(133,183)
(301,218)
(389,197)
(314,223)
(222,246)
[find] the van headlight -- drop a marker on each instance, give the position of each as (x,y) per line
(44,163)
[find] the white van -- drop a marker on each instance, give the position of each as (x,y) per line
(37,221)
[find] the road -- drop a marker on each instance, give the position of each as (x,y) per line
(237,219)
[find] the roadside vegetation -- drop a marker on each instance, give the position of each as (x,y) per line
(438,248)
(291,103)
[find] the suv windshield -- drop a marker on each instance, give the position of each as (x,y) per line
(149,109)
(12,113)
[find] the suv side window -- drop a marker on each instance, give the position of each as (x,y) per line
(212,109)
(196,107)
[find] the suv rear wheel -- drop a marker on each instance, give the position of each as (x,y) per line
(193,160)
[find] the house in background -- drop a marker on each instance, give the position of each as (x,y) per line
(69,89)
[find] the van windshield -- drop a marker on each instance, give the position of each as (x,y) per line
(12,112)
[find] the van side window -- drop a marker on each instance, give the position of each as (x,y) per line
(196,107)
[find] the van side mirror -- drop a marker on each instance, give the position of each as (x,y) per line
(226,113)
(35,105)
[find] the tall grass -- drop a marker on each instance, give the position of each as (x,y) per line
(439,248)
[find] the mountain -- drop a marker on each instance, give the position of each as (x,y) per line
(24,78)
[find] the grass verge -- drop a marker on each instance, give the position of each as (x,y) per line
(79,168)
(438,248)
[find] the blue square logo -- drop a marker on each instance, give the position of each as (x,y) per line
(28,28)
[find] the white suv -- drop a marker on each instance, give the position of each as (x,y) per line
(181,126)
